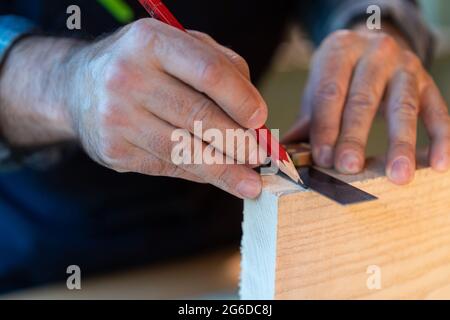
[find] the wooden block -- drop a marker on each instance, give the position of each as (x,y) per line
(298,244)
(300,154)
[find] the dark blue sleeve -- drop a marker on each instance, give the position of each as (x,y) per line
(321,17)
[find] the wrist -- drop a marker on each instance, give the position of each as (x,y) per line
(76,90)
(34,85)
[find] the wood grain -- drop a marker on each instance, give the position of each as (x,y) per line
(323,250)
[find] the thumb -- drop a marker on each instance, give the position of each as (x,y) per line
(299,132)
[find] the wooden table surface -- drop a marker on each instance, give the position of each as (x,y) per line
(211,276)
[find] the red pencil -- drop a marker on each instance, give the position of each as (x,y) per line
(158,10)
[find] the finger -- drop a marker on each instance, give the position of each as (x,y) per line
(203,68)
(437,122)
(402,113)
(331,73)
(155,136)
(364,97)
(146,163)
(234,58)
(183,107)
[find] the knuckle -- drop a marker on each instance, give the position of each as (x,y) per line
(441,115)
(405,108)
(200,111)
(243,66)
(412,61)
(201,35)
(323,131)
(146,165)
(340,39)
(145,33)
(172,171)
(353,141)
(158,143)
(221,175)
(116,74)
(386,43)
(361,100)
(142,27)
(211,71)
(110,115)
(248,104)
(112,152)
(328,92)
(182,104)
(240,61)
(402,144)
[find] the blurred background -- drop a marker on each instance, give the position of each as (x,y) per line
(217,275)
(282,86)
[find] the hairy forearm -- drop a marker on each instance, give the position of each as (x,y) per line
(34,86)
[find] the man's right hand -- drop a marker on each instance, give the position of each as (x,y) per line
(131,90)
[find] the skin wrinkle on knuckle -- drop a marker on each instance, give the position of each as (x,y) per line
(154,142)
(352,141)
(405,108)
(409,80)
(354,123)
(202,111)
(181,104)
(246,106)
(145,165)
(171,170)
(211,71)
(361,101)
(400,144)
(221,176)
(326,93)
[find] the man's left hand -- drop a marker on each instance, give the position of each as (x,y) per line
(356,73)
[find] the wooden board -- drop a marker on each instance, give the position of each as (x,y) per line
(211,275)
(299,245)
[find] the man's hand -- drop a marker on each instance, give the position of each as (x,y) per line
(125,95)
(356,73)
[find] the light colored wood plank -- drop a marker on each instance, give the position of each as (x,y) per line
(323,250)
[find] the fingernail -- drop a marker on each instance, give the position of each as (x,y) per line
(401,170)
(326,156)
(249,189)
(257,119)
(349,162)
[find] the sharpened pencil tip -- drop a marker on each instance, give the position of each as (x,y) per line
(288,168)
